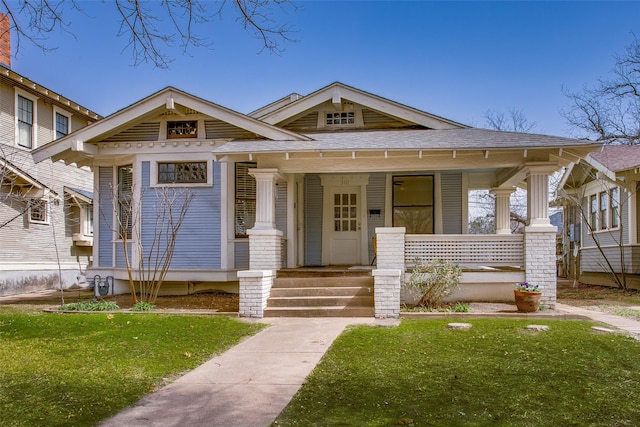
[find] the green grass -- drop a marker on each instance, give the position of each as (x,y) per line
(78,369)
(424,374)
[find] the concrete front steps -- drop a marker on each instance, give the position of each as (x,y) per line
(321,293)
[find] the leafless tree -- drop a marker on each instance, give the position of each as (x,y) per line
(514,121)
(609,111)
(154,250)
(151,27)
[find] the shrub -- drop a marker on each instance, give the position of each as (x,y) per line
(434,280)
(143,306)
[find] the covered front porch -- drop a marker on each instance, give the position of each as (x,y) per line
(492,263)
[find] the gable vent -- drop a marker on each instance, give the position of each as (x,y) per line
(308,121)
(219,129)
(141,132)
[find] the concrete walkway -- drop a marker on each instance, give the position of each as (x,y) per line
(248,385)
(629,326)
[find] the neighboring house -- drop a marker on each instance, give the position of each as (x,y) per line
(600,203)
(309,181)
(45,212)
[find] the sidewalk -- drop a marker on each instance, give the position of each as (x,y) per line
(248,385)
(630,326)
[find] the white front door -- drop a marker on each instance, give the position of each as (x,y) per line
(345,235)
(344,223)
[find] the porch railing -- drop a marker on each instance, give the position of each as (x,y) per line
(466,250)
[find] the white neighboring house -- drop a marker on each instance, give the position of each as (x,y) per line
(309,181)
(599,195)
(45,209)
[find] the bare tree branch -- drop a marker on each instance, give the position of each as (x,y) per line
(151,28)
(515,121)
(610,110)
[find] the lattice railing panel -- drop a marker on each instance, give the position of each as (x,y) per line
(466,249)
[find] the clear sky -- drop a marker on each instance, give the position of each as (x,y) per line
(453,59)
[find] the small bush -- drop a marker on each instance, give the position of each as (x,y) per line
(90,306)
(434,280)
(461,308)
(143,306)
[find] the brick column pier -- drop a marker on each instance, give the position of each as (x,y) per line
(389,274)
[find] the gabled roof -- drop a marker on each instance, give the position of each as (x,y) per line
(155,104)
(611,161)
(79,196)
(337,91)
(616,158)
(15,177)
(16,79)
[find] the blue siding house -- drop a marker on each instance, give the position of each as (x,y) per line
(310,181)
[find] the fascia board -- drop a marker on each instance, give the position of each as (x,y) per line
(368,100)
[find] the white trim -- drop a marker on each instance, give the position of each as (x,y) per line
(64,113)
(226,255)
(632,213)
(34,129)
(437,203)
(465,204)
(291,221)
(47,213)
(96,214)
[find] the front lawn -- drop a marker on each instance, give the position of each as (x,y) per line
(76,370)
(497,373)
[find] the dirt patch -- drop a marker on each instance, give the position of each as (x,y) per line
(219,301)
(581,295)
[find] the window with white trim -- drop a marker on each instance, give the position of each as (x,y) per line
(593,212)
(344,118)
(25,118)
(61,125)
(125,200)
(245,204)
(38,212)
(604,209)
(614,207)
(88,220)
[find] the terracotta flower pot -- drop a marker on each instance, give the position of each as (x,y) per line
(527,302)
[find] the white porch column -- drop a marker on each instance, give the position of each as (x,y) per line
(538,196)
(265,197)
(540,236)
(503,209)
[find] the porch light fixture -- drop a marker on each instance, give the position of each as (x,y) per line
(420,154)
(386,154)
(353,154)
(286,155)
(525,153)
(454,154)
(486,154)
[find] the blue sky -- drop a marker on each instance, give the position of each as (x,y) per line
(453,59)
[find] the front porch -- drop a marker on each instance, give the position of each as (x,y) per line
(491,265)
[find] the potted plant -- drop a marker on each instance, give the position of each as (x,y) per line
(527,297)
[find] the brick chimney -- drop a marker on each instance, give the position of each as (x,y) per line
(5,41)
